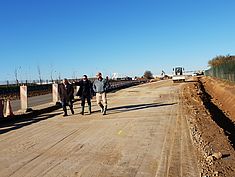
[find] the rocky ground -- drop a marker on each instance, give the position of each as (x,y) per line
(212,138)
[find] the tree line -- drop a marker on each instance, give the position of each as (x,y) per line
(221,59)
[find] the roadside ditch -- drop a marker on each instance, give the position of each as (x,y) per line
(218,115)
(211,128)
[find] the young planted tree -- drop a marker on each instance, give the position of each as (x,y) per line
(16,75)
(51,73)
(39,74)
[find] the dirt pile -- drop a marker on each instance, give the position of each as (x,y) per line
(215,153)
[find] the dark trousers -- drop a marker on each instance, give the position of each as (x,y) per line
(66,102)
(83,98)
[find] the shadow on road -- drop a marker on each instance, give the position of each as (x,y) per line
(120,109)
(16,124)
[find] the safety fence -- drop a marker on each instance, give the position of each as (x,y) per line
(225,71)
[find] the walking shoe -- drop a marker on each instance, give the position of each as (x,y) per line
(89,109)
(89,113)
(102,107)
(82,112)
(72,111)
(65,115)
(105,110)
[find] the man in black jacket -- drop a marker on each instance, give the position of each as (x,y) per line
(85,92)
(66,92)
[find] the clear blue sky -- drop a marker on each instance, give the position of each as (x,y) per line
(75,37)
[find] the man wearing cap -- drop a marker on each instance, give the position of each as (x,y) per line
(100,87)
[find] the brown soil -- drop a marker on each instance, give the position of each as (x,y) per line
(208,137)
(145,134)
(223,94)
(155,129)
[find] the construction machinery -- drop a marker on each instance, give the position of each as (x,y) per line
(178,75)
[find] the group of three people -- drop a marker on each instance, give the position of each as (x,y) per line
(86,90)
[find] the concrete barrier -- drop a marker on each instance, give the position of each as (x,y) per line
(1,108)
(23,98)
(55,93)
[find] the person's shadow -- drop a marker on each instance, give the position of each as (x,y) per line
(15,124)
(120,109)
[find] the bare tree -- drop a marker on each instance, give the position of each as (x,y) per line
(51,66)
(16,75)
(59,77)
(74,75)
(39,74)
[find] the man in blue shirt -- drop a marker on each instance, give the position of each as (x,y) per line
(100,87)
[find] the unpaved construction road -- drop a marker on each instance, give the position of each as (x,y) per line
(145,134)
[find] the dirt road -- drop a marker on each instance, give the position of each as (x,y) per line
(144,134)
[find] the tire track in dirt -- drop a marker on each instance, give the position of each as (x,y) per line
(64,148)
(23,143)
(190,167)
(163,168)
(143,135)
(39,155)
(177,159)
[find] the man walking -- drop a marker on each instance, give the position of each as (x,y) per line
(85,92)
(100,86)
(66,92)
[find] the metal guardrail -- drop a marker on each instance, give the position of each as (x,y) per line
(123,84)
(16,89)
(4,90)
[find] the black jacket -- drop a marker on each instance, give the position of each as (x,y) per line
(85,89)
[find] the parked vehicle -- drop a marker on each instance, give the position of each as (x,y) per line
(178,75)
